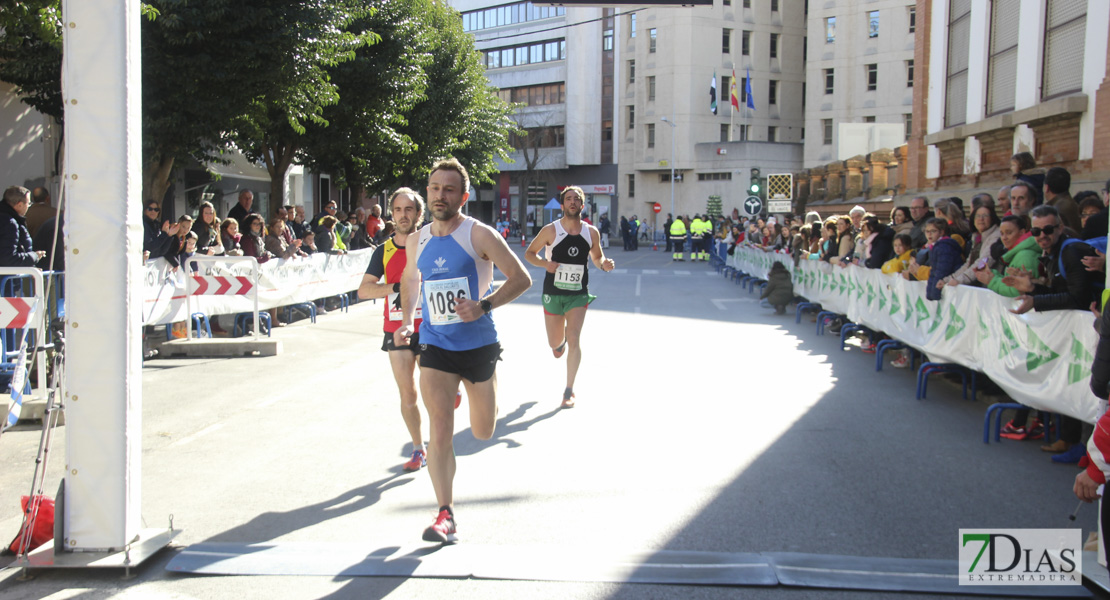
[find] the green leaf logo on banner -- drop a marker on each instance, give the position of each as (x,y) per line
(859,291)
(955,324)
(882,299)
(1039,353)
(1009,342)
(984,331)
(895,305)
(938,318)
(1079,369)
(909,308)
(870,293)
(843,284)
(851,286)
(922,311)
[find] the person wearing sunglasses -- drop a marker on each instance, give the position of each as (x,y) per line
(1062,282)
(158,239)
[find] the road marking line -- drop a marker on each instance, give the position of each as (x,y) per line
(193,437)
(638,285)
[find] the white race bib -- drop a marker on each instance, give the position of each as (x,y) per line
(569,277)
(441,296)
(395,312)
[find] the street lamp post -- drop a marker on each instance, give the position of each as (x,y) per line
(673,126)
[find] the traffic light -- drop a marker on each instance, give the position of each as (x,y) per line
(755,187)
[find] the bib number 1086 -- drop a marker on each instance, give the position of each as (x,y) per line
(445,301)
(442,296)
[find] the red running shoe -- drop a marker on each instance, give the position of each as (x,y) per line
(558,352)
(458,400)
(443,530)
(419,459)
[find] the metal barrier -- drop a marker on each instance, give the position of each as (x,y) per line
(22,319)
(204,283)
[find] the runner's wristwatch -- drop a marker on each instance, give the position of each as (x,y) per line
(487,306)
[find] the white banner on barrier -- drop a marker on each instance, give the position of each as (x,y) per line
(281,282)
(1041,359)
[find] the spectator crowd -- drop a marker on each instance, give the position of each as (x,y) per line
(1035,242)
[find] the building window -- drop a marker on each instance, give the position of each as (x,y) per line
(913,19)
(536,95)
(745,43)
(1002,64)
(714,176)
(802,131)
(829,81)
(725,93)
(651,87)
(830,30)
(772,92)
(743,90)
(726,41)
(743,132)
(870,119)
(909,73)
(651,135)
(774,45)
(872,77)
(651,40)
(631,117)
(772,134)
(632,25)
(747,3)
(959,41)
(908,119)
(724,133)
(774,5)
(826,125)
(1064,39)
(519,12)
(631,186)
(873,24)
(607,131)
(526,54)
(607,39)
(631,71)
(727,2)
(539,137)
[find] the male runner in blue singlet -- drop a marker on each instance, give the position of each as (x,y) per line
(570,244)
(455,256)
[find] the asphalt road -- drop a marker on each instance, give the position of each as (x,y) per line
(703,423)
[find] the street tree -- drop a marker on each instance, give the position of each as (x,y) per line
(460,114)
(377,90)
(31,52)
(307,39)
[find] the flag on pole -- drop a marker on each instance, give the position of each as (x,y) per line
(733,98)
(748,89)
(713,93)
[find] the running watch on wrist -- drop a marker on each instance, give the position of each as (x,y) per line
(486,305)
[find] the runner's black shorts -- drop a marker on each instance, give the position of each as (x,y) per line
(475,365)
(389,346)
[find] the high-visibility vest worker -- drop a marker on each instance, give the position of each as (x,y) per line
(678,237)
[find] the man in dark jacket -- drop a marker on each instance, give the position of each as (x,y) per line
(16,249)
(1071,288)
(919,212)
(1056,289)
(243,208)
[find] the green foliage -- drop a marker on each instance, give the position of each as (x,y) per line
(377,89)
(302,40)
(460,115)
(31,52)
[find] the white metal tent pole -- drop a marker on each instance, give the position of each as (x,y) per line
(101,89)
